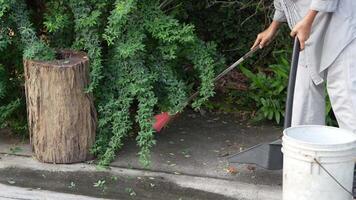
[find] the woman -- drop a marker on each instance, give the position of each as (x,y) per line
(326,30)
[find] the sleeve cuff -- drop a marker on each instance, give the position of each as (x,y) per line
(279,16)
(324,5)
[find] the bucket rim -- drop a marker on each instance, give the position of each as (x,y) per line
(321,158)
(286,137)
(326,148)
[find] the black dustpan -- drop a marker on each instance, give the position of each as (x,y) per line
(269,155)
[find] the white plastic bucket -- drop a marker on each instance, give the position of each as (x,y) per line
(303,178)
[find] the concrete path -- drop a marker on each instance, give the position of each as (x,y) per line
(18,193)
(191,155)
(119,183)
(199,145)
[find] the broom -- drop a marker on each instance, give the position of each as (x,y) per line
(162,119)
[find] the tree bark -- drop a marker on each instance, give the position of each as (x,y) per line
(61,115)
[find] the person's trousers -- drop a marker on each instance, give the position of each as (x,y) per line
(309,99)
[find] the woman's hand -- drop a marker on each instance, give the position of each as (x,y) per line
(265,37)
(302,29)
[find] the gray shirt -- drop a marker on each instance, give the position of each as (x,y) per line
(333,29)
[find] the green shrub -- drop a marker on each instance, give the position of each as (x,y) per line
(147,49)
(268,89)
(143,60)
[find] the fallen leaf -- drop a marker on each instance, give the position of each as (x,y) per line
(251,168)
(232,170)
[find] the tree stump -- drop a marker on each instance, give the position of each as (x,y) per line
(61,115)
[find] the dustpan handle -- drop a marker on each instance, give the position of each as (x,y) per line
(291,84)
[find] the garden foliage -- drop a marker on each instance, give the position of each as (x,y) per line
(145,57)
(143,60)
(268,89)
